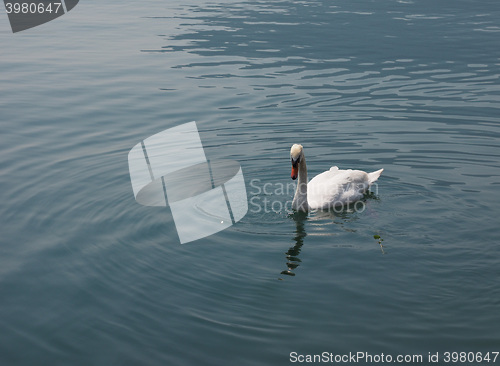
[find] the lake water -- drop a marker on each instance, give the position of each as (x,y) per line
(90,277)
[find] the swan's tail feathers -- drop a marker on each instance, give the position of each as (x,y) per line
(373,176)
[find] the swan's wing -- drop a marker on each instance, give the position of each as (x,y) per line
(336,187)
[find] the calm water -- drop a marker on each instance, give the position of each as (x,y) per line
(90,277)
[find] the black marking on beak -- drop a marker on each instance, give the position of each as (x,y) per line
(295,162)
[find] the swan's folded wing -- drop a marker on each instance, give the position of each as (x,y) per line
(324,189)
(336,187)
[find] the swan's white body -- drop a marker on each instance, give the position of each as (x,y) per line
(333,188)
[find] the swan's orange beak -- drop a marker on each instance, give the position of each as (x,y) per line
(295,171)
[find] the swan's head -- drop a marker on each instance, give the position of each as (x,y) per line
(296,155)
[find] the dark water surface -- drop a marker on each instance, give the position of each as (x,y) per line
(90,277)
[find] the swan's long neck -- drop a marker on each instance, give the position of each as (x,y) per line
(299,202)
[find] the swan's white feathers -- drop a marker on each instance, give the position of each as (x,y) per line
(373,176)
(334,187)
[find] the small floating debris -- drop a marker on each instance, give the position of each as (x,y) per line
(380,240)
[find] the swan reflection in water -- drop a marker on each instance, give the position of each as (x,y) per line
(300,218)
(292,255)
(317,219)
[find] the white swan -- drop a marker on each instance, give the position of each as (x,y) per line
(332,188)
